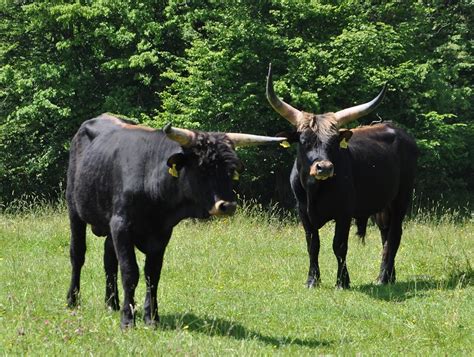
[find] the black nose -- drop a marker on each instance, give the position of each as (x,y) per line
(225,207)
(323,167)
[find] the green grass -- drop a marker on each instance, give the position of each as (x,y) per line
(236,287)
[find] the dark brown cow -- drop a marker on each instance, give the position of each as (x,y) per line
(339,174)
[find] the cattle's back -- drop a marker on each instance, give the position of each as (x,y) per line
(106,159)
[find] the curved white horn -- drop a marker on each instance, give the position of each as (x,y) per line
(291,114)
(252,140)
(347,115)
(184,137)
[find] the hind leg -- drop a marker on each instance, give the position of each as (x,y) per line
(153,264)
(111,269)
(390,225)
(77,252)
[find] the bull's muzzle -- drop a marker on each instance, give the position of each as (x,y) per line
(322,170)
(223,208)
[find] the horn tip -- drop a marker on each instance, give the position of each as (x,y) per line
(167,128)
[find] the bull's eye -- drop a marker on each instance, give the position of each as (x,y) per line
(235,176)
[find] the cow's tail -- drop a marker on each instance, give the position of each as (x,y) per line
(361,224)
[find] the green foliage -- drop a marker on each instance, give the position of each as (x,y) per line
(202,64)
(236,287)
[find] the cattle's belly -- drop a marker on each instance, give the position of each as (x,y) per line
(373,200)
(93,206)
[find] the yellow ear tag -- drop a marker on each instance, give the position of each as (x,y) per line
(236,176)
(285,144)
(343,144)
(172,171)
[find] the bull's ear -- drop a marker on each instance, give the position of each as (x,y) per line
(344,136)
(177,161)
(291,136)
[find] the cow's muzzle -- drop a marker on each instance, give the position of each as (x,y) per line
(223,208)
(322,170)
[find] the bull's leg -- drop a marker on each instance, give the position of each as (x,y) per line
(339,247)
(390,248)
(153,264)
(312,244)
(382,219)
(125,252)
(111,268)
(77,252)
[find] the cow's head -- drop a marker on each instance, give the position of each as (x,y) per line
(320,137)
(210,167)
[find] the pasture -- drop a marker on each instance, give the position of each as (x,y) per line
(235,286)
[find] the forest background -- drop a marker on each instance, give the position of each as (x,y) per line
(202,64)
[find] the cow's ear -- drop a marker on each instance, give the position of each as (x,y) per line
(344,136)
(177,161)
(291,136)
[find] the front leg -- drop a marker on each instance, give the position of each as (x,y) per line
(153,265)
(125,252)
(339,247)
(313,245)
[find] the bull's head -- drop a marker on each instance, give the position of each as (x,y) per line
(210,166)
(320,136)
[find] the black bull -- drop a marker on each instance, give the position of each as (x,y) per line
(133,184)
(341,174)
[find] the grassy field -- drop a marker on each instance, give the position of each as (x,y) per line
(236,287)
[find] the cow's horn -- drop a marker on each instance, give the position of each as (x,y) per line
(184,137)
(347,115)
(252,140)
(291,114)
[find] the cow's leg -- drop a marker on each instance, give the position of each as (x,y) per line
(153,265)
(339,247)
(313,244)
(382,219)
(395,217)
(125,251)
(390,248)
(77,252)
(111,268)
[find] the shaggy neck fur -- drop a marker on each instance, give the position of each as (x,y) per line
(214,150)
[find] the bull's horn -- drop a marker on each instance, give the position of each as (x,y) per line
(291,114)
(252,140)
(184,137)
(347,115)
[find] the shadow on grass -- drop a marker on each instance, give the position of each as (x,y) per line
(213,326)
(417,286)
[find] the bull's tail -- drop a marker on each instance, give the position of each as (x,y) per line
(361,224)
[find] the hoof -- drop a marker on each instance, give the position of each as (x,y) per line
(312,283)
(112,304)
(127,325)
(385,279)
(152,323)
(72,300)
(127,321)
